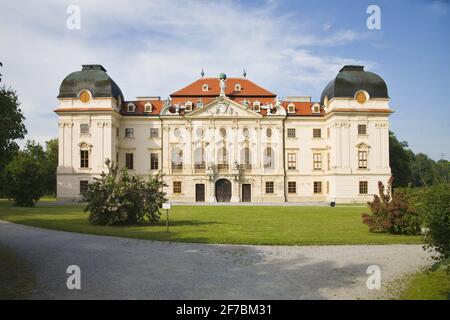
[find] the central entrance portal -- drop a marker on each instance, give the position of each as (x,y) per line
(223,190)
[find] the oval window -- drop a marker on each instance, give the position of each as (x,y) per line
(269,133)
(246,132)
(85,96)
(199,132)
(177,132)
(223,132)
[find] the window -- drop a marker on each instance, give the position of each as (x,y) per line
(177,187)
(362,129)
(269,186)
(291,132)
(83,186)
(292,187)
(188,106)
(177,158)
(129,133)
(246,132)
(84,159)
(256,106)
(205,87)
(117,132)
(129,161)
(268,158)
(269,133)
(154,132)
(328,187)
(317,187)
(84,129)
(362,159)
(317,161)
(328,161)
(363,187)
(328,132)
(222,157)
(223,132)
(246,158)
(148,107)
(316,109)
(291,108)
(131,107)
(292,161)
(237,87)
(199,159)
(317,133)
(154,161)
(117,157)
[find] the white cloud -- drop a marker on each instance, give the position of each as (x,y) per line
(156,47)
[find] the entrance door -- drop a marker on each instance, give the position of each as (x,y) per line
(246,193)
(223,190)
(200,192)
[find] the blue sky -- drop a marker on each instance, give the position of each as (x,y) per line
(289,47)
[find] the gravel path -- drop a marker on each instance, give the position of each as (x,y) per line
(119,268)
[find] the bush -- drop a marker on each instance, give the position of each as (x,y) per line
(25,180)
(118,198)
(434,208)
(392,212)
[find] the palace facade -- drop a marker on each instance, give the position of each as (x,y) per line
(228,139)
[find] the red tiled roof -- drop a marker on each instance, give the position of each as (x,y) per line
(302,109)
(248,88)
(157,105)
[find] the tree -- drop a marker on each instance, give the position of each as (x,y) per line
(118,198)
(51,155)
(443,171)
(25,179)
(434,207)
(399,161)
(423,171)
(11,127)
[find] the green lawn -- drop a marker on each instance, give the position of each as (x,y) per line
(16,279)
(227,224)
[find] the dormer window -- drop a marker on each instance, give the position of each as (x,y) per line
(148,107)
(188,106)
(291,108)
(131,107)
(237,87)
(205,87)
(257,106)
(316,108)
(200,103)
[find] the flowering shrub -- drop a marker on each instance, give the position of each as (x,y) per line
(118,198)
(391,212)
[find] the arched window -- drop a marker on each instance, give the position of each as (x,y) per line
(177,158)
(269,158)
(246,158)
(222,158)
(199,158)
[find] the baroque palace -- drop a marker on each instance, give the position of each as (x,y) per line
(228,139)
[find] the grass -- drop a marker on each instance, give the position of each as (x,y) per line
(424,285)
(227,224)
(16,280)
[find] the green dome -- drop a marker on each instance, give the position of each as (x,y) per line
(222,76)
(350,80)
(92,77)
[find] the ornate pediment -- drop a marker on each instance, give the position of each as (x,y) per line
(223,107)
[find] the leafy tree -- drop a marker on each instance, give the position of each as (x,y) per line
(118,198)
(434,207)
(11,126)
(25,179)
(423,171)
(399,161)
(51,157)
(391,212)
(443,171)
